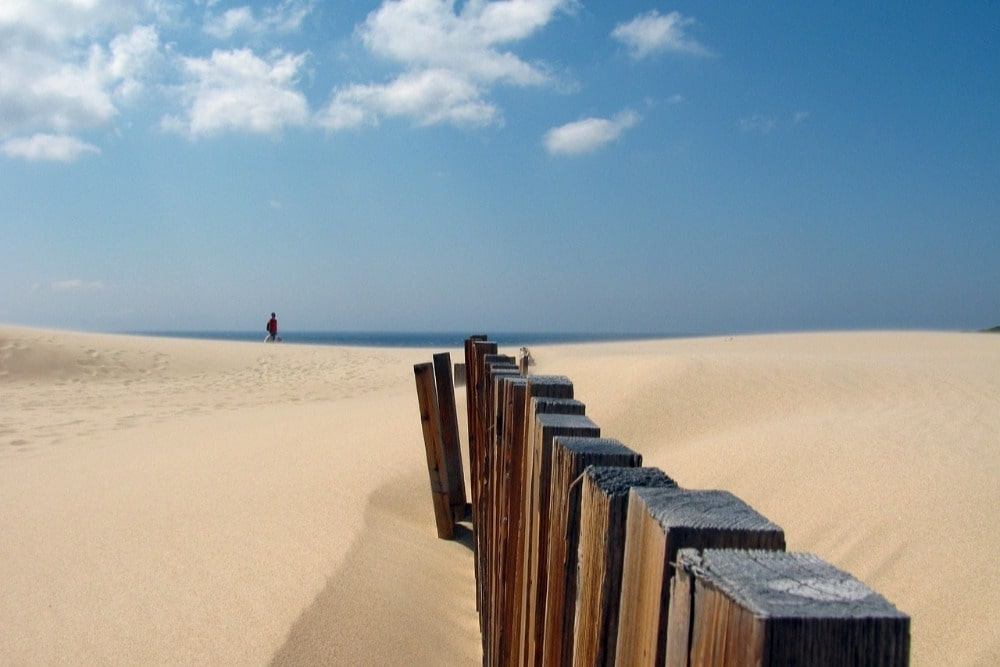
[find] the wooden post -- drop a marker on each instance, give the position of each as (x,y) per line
(543,394)
(511,397)
(430,422)
(494,457)
(475,348)
(496,367)
(546,427)
(570,456)
(770,608)
(660,522)
(558,406)
(603,512)
(450,440)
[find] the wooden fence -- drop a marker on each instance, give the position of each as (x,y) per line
(584,557)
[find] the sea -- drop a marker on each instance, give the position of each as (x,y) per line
(411,339)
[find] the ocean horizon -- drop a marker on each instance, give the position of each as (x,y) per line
(411,338)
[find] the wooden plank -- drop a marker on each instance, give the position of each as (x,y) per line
(514,392)
(570,457)
(470,393)
(543,394)
(430,423)
(475,347)
(603,510)
(660,522)
(546,428)
(776,608)
(450,439)
(477,410)
(494,516)
(558,406)
(496,367)
(550,386)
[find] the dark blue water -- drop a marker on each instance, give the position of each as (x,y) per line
(406,339)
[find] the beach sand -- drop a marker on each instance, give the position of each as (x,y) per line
(168,501)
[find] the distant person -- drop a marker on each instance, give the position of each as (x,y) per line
(272,329)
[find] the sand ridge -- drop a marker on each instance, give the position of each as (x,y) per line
(167,501)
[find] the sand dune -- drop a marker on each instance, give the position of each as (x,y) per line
(878,451)
(188,502)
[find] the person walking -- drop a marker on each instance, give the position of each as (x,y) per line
(272,329)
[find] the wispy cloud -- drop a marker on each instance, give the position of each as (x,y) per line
(47,148)
(428,97)
(652,33)
(757,123)
(589,134)
(238,90)
(450,61)
(800,117)
(285,17)
(77,285)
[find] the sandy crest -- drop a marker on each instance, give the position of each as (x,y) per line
(877,451)
(188,502)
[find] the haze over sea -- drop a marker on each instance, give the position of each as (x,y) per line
(411,338)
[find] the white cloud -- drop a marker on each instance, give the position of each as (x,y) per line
(239,19)
(450,60)
(66,66)
(61,21)
(589,134)
(238,90)
(428,96)
(428,33)
(757,123)
(800,117)
(47,147)
(287,16)
(653,32)
(76,285)
(133,55)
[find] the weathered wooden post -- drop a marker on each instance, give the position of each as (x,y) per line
(496,366)
(771,608)
(511,397)
(543,393)
(545,428)
(450,439)
(499,368)
(570,457)
(660,522)
(430,421)
(475,348)
(603,513)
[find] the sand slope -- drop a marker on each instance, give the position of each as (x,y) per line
(183,502)
(878,451)
(189,502)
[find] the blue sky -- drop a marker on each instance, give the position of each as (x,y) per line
(546,165)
